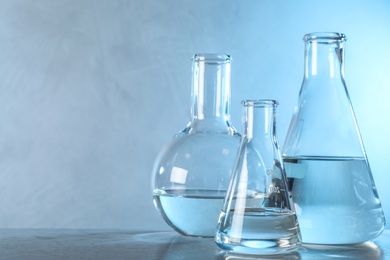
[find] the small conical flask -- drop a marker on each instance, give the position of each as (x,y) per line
(191,174)
(326,164)
(258,216)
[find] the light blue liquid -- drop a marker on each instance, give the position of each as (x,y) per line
(258,231)
(335,199)
(190,212)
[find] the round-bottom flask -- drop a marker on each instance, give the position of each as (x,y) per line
(258,216)
(192,172)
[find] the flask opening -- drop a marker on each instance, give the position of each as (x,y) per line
(325,37)
(212,58)
(260,103)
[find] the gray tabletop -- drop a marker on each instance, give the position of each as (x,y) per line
(125,244)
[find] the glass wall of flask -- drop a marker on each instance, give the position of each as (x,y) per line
(192,172)
(328,172)
(258,216)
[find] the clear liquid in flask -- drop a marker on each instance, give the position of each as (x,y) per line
(190,212)
(258,230)
(336,198)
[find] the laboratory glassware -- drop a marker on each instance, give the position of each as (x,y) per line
(326,163)
(258,215)
(191,174)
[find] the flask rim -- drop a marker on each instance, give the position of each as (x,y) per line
(260,103)
(212,58)
(325,37)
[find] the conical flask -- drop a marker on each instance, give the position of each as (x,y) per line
(191,174)
(329,175)
(258,216)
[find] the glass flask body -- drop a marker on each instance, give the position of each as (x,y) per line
(326,164)
(258,216)
(192,172)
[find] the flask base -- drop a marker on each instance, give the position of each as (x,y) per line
(258,246)
(261,232)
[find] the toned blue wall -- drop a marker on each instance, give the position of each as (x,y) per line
(90,91)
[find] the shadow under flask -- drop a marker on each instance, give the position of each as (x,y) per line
(258,215)
(192,172)
(326,164)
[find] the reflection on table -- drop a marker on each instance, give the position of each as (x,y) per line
(124,244)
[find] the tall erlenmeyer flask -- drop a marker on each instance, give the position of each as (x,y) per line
(329,175)
(258,216)
(192,172)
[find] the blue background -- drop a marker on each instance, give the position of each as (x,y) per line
(91,90)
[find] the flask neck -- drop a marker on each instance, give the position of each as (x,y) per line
(259,119)
(324,56)
(210,91)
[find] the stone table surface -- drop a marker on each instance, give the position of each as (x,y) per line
(128,244)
